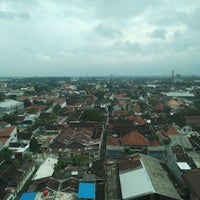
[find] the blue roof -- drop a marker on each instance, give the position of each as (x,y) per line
(28,196)
(86,191)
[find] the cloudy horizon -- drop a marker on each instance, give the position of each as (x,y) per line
(99,37)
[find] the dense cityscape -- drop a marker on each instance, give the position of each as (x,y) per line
(100,138)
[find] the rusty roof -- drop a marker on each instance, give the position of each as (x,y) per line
(192,179)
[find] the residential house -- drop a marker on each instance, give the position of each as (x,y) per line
(177,161)
(164,133)
(8,135)
(173,104)
(77,139)
(192,120)
(13,179)
(134,140)
(181,140)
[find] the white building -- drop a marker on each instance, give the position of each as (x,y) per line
(10,106)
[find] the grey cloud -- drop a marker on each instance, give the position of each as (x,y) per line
(158,33)
(12,16)
(107,31)
(169,17)
(193,20)
(120,9)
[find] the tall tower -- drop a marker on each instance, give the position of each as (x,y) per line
(172,76)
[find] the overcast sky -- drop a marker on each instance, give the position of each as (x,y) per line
(99,37)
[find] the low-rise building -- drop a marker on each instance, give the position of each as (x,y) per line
(142,176)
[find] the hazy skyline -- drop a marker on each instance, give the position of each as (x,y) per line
(99,37)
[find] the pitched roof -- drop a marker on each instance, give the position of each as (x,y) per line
(135,138)
(136,119)
(172,131)
(147,172)
(192,119)
(159,106)
(192,179)
(75,135)
(5,134)
(173,102)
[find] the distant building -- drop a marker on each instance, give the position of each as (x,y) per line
(185,94)
(10,106)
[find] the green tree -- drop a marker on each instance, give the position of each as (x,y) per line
(6,153)
(57,109)
(99,94)
(10,118)
(17,163)
(91,115)
(79,159)
(34,146)
(27,102)
(13,96)
(1,96)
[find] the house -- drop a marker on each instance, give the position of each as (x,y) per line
(192,181)
(165,133)
(8,135)
(177,161)
(77,139)
(159,107)
(46,169)
(143,177)
(11,106)
(13,179)
(192,120)
(136,119)
(172,103)
(181,140)
(132,139)
(185,130)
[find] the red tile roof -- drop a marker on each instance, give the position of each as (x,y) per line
(173,102)
(136,119)
(192,119)
(172,131)
(5,134)
(120,113)
(135,138)
(159,106)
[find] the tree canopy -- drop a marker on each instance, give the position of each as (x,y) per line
(6,153)
(34,146)
(91,115)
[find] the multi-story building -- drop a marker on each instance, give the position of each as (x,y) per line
(10,106)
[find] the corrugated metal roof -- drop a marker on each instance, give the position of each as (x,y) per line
(135,183)
(86,190)
(28,196)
